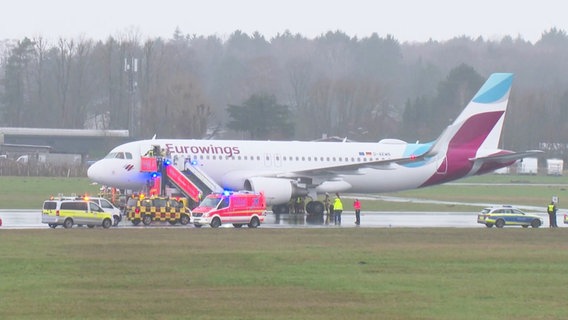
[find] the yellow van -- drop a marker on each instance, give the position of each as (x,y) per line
(74,212)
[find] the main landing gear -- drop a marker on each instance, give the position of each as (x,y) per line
(312,207)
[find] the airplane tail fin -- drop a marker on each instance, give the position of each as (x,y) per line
(480,123)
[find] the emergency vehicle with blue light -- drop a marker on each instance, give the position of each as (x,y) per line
(238,208)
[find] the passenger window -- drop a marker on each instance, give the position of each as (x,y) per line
(106,204)
(174,204)
(224,203)
(49,205)
(160,203)
(95,207)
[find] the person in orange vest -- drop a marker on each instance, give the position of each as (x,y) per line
(357,207)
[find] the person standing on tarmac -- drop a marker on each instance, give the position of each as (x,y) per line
(326,204)
(551,209)
(337,209)
(357,207)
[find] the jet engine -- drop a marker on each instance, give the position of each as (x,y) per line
(276,190)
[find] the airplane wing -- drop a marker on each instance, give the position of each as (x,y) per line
(508,157)
(352,169)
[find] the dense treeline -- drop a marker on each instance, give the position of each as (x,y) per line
(291,86)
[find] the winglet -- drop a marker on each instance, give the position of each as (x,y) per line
(495,88)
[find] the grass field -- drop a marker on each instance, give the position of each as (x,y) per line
(351,273)
(30,192)
(327,273)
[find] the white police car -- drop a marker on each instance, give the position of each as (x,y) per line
(501,216)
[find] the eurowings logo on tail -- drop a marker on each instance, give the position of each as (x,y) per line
(475,132)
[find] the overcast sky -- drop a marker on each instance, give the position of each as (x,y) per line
(406,20)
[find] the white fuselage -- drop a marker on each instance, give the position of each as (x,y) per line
(230,162)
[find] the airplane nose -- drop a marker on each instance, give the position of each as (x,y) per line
(94,171)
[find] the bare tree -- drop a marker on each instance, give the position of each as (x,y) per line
(66,49)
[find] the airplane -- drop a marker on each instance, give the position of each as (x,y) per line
(284,170)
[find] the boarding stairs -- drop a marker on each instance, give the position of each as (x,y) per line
(191,181)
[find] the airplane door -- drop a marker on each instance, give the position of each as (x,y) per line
(277,160)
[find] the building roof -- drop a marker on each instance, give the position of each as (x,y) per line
(63,132)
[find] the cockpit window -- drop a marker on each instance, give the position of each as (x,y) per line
(119,155)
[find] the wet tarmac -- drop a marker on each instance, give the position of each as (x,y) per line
(31,219)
